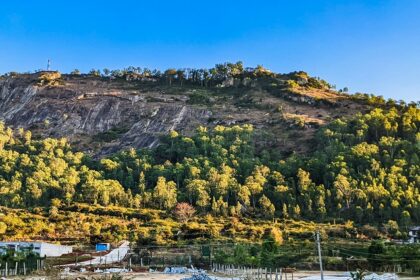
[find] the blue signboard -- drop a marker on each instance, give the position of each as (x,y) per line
(102,247)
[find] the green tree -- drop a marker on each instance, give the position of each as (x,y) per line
(165,193)
(267,208)
(170,74)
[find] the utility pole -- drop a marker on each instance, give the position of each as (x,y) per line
(318,241)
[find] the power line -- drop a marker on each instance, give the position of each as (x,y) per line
(347,252)
(377,257)
(383,259)
(353,251)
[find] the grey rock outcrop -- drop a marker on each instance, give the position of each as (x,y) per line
(76,111)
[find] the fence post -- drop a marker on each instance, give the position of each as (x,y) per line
(24,268)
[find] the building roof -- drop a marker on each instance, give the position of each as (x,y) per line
(415,228)
(31,242)
(17,242)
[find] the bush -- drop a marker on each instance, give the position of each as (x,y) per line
(110,135)
(292,84)
(370,231)
(199,98)
(48,78)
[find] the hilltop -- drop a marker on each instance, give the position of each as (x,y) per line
(104,113)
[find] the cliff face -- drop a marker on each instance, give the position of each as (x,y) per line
(102,116)
(71,111)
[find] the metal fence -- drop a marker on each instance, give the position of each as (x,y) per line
(23,267)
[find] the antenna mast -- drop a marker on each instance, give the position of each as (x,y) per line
(48,65)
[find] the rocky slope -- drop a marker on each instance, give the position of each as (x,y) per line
(101,116)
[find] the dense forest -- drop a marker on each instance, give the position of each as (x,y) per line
(365,169)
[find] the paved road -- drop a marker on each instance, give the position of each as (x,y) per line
(115,255)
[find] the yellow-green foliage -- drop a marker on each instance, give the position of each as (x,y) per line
(292,84)
(49,78)
(82,226)
(358,173)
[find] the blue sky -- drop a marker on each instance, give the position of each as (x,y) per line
(368,46)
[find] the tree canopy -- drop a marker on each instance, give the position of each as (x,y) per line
(365,169)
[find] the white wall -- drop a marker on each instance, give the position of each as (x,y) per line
(41,248)
(53,250)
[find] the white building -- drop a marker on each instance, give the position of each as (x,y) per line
(414,235)
(41,248)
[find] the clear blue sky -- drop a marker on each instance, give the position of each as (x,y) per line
(369,46)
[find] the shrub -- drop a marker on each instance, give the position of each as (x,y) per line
(370,231)
(3,228)
(276,235)
(199,98)
(292,84)
(48,78)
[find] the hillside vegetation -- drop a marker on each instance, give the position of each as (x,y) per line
(364,169)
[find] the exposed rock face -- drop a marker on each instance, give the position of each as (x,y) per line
(101,116)
(65,112)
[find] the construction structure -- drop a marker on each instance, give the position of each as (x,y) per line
(414,234)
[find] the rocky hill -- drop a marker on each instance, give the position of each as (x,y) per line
(229,179)
(101,114)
